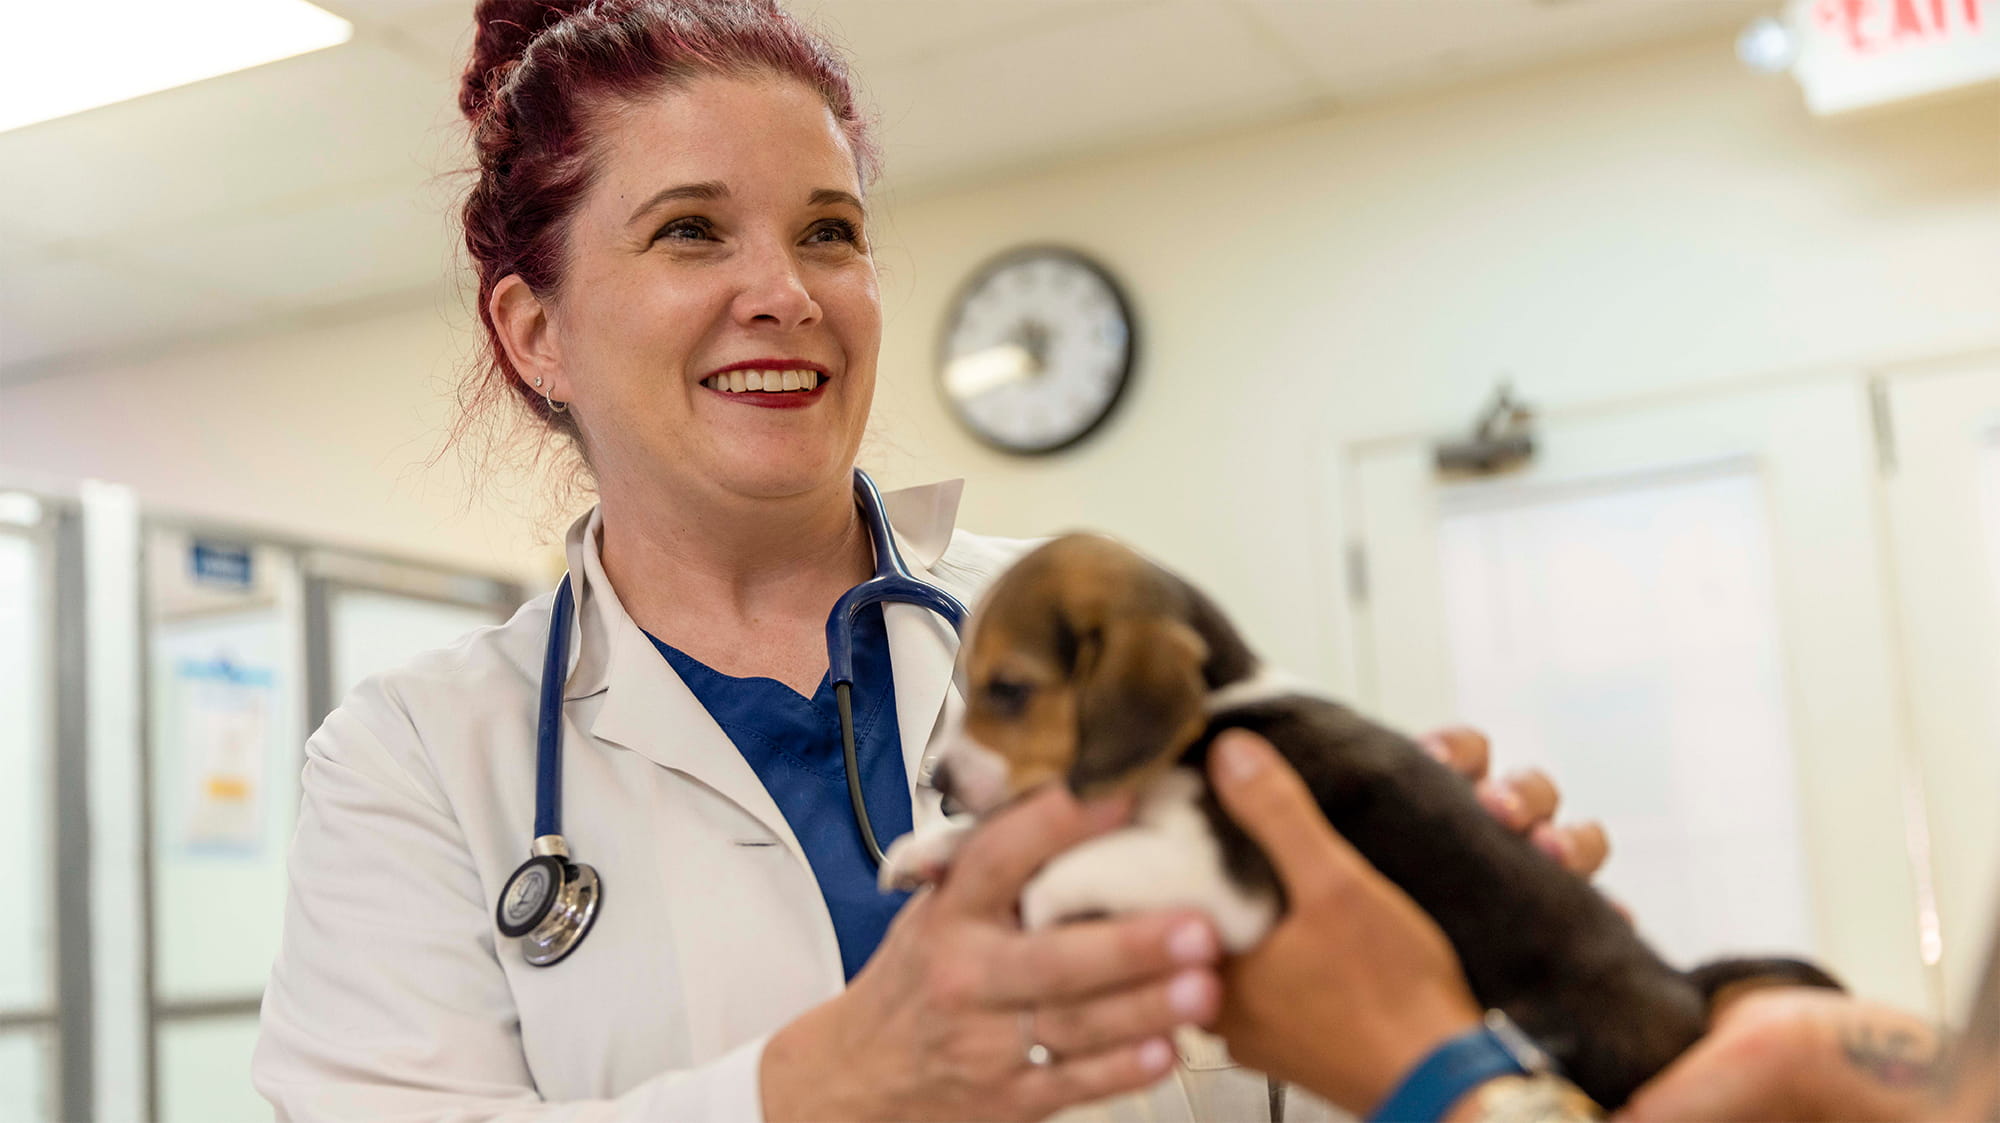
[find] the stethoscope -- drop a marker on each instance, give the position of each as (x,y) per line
(550,902)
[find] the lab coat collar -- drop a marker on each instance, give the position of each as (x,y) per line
(922,519)
(651,712)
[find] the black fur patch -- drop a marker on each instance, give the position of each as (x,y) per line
(1536,941)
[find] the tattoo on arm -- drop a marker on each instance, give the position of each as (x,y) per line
(1895,1056)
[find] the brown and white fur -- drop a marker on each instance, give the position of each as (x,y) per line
(1089,666)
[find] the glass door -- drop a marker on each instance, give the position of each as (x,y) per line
(366,616)
(1678,610)
(251,642)
(224,729)
(45,983)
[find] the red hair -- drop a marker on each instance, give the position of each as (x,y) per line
(541,71)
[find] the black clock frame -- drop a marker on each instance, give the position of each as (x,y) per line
(983,272)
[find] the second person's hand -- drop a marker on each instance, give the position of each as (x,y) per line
(1356,984)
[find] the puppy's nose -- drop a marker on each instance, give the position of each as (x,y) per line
(941,780)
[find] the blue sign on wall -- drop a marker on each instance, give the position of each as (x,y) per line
(216,564)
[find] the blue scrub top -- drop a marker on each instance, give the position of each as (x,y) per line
(793,744)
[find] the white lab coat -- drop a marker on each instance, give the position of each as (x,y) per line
(395,997)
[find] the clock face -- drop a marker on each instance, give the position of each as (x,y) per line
(1037,350)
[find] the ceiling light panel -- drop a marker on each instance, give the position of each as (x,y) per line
(62,58)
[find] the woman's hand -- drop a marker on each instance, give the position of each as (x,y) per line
(1525,801)
(939,1023)
(1356,984)
(1800,1054)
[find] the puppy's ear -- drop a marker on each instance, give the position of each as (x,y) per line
(1139,696)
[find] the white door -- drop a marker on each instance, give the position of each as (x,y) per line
(1944,510)
(1679,611)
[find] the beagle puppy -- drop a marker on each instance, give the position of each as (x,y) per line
(1089,666)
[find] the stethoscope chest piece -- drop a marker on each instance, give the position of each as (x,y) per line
(549,903)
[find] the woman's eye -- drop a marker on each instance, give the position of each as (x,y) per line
(841,229)
(684,229)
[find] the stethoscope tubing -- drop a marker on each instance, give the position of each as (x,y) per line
(892,583)
(548,727)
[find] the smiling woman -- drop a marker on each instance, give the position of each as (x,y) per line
(670,230)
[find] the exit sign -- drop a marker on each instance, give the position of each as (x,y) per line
(1859,53)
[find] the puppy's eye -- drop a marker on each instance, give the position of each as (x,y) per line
(1008,697)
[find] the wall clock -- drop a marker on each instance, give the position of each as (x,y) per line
(1038,348)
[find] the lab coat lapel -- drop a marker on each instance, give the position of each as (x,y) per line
(651,712)
(922,647)
(647,708)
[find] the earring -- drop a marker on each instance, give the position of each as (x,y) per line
(556,406)
(538,382)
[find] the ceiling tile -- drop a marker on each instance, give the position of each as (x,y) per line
(1114,79)
(1363,49)
(303,127)
(895,32)
(445,30)
(54,308)
(333,253)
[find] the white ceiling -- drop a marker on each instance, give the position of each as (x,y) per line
(319,187)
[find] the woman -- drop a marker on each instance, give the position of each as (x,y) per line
(672,195)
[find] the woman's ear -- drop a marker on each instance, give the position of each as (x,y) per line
(528,335)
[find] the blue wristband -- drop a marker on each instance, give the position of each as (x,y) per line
(1496,1048)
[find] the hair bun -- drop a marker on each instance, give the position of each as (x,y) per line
(505,28)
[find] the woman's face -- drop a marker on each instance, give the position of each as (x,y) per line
(725,235)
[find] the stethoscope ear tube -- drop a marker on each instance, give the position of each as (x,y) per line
(548,727)
(892,583)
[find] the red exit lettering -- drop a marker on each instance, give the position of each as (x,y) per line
(1873,25)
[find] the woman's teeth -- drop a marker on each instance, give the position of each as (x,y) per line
(767,381)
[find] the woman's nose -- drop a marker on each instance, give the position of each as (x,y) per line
(774,292)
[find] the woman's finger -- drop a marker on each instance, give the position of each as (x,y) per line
(1191,997)
(1464,750)
(1268,800)
(1581,848)
(1004,852)
(1087,958)
(1521,800)
(1096,1076)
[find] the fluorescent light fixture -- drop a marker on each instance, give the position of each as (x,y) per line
(59,57)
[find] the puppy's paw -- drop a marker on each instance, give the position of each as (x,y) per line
(920,858)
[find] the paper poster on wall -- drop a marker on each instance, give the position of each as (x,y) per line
(226,727)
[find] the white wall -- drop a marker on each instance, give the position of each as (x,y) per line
(324,433)
(1632,225)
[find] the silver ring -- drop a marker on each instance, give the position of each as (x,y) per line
(1036,1053)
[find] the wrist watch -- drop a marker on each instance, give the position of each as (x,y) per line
(1542,1098)
(1495,1048)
